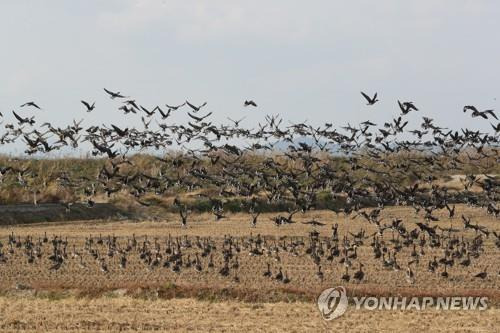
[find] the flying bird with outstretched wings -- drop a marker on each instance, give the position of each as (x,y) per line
(33,104)
(196,108)
(89,106)
(113,95)
(370,100)
(476,113)
(22,120)
(198,119)
(249,103)
(406,107)
(175,107)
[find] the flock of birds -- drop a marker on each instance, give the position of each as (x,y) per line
(367,167)
(111,254)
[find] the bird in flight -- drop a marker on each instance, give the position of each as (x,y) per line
(370,100)
(195,108)
(114,95)
(236,122)
(149,113)
(250,103)
(314,223)
(175,107)
(163,114)
(198,119)
(406,107)
(33,104)
(477,113)
(89,107)
(22,120)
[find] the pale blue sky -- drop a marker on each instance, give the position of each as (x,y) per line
(302,59)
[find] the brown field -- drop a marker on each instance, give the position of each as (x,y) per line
(140,297)
(179,315)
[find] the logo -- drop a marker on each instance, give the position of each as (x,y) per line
(332,303)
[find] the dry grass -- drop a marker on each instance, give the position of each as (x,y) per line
(138,298)
(180,315)
(301,269)
(46,175)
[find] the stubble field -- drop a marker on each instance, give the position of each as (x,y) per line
(79,295)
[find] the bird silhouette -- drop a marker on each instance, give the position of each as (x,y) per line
(370,100)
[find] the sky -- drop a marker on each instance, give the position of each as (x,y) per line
(306,60)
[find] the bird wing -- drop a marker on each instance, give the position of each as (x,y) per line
(207,115)
(117,129)
(86,104)
(366,97)
(109,92)
(492,113)
(175,107)
(250,102)
(401,106)
(18,117)
(412,106)
(470,107)
(192,106)
(194,117)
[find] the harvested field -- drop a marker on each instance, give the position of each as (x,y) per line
(252,286)
(124,314)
